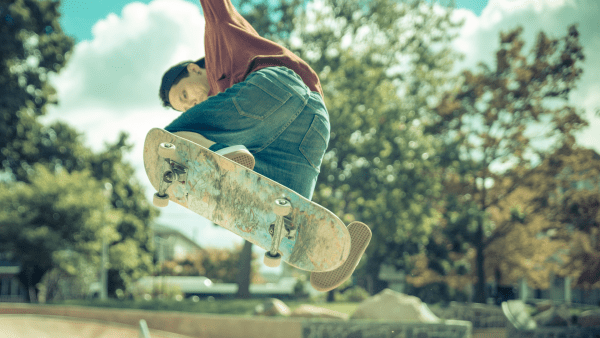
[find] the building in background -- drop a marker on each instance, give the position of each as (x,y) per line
(171,244)
(11,289)
(560,291)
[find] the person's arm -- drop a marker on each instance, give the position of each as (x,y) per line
(218,11)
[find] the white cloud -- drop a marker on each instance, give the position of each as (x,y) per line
(122,65)
(110,84)
(479,40)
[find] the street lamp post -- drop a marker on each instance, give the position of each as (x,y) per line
(161,259)
(104,272)
(104,260)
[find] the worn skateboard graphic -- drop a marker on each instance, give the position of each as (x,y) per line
(290,227)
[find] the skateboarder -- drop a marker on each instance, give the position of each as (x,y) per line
(251,100)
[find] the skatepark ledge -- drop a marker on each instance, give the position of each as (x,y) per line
(221,326)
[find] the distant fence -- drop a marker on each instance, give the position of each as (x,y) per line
(13,299)
(554,332)
(481,315)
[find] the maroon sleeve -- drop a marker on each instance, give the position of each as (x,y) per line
(233,49)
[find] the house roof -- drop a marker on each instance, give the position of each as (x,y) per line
(162,230)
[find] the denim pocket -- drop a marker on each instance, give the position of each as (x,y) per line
(315,142)
(260,97)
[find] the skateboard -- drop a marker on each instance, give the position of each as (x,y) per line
(289,226)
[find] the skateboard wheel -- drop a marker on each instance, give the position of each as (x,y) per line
(271,261)
(282,207)
(160,201)
(166,150)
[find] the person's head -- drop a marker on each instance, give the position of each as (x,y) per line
(184,85)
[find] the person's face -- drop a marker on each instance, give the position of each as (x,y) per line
(191,90)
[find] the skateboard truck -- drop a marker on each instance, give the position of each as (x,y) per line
(282,207)
(173,172)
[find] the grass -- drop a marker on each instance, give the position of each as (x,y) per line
(240,307)
(228,306)
(234,307)
(347,308)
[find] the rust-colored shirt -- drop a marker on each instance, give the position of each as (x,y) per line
(234,50)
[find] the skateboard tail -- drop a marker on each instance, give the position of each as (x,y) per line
(360,238)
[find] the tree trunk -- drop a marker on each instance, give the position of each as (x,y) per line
(331,296)
(243,277)
(30,276)
(374,285)
(480,287)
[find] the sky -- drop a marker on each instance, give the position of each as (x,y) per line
(79,17)
(110,83)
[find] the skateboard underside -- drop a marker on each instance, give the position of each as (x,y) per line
(241,201)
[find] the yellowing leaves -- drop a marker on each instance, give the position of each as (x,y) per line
(523,75)
(219,265)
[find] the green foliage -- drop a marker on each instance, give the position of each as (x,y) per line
(158,290)
(221,306)
(235,307)
(300,287)
(57,220)
(272,20)
(57,284)
(380,64)
(130,255)
(354,294)
(32,46)
(61,152)
(438,292)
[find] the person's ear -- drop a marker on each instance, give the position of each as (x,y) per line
(194,68)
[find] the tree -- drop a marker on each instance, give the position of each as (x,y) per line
(556,211)
(274,22)
(219,265)
(56,220)
(549,227)
(130,254)
(501,123)
(411,54)
(32,46)
(380,63)
(575,205)
(59,148)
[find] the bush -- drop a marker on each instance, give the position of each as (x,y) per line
(353,294)
(58,285)
(219,265)
(299,287)
(159,290)
(436,293)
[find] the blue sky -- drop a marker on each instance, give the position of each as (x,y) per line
(78,17)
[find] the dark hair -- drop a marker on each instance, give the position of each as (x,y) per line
(172,77)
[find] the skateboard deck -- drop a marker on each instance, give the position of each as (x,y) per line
(241,201)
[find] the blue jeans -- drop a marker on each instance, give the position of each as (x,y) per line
(276,116)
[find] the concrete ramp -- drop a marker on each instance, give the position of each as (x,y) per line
(36,326)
